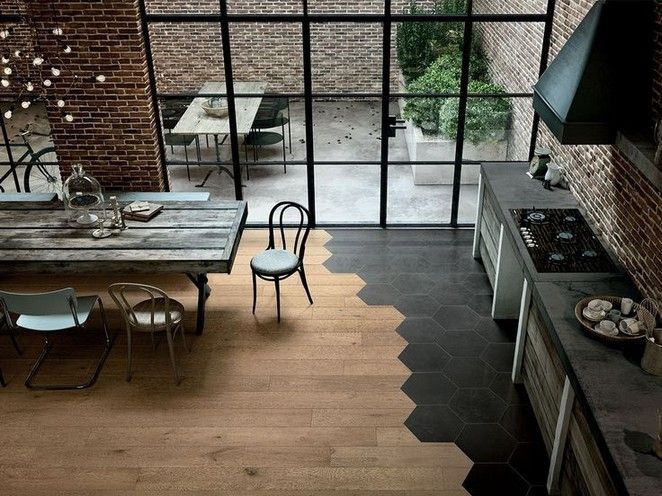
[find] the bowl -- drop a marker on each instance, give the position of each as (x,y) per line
(215,107)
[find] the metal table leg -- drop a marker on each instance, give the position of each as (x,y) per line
(200,281)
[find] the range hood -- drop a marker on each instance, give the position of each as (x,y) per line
(601,79)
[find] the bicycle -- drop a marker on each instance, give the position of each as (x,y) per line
(42,172)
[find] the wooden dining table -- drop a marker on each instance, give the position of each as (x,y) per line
(190,237)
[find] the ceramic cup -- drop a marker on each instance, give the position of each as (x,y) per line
(614,315)
(595,305)
(626,306)
(607,326)
(633,326)
(553,174)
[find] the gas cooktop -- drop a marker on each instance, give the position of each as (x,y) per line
(560,240)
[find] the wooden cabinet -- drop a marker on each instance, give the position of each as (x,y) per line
(489,238)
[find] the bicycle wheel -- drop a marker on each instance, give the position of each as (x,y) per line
(42,174)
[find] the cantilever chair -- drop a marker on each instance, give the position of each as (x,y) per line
(48,314)
(157,313)
(275,264)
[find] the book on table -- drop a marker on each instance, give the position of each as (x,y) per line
(141,211)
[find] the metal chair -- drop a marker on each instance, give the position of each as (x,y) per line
(157,313)
(278,104)
(276,264)
(14,342)
(50,313)
(185,140)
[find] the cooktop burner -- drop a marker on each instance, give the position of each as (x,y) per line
(560,240)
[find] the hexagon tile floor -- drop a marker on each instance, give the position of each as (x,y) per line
(459,357)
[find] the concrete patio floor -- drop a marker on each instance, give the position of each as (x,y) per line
(346,193)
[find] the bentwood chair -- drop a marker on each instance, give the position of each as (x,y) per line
(157,313)
(50,313)
(14,342)
(276,264)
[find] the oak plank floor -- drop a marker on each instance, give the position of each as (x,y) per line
(311,406)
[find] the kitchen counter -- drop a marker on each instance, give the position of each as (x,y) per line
(619,397)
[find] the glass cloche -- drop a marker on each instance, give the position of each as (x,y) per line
(81,192)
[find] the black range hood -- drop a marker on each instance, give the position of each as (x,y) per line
(601,79)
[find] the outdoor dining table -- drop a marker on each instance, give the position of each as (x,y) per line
(190,237)
(196,121)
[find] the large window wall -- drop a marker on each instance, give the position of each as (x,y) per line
(373,113)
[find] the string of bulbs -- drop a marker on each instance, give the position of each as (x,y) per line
(32,72)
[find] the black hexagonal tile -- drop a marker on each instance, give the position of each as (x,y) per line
(462,343)
(490,479)
(412,283)
(424,357)
(477,405)
(469,372)
(481,304)
(429,388)
(486,443)
(456,317)
(379,294)
(434,424)
(520,422)
(419,330)
(530,460)
(478,284)
(375,276)
(499,356)
(416,305)
(344,263)
(497,331)
(408,263)
(503,387)
(450,294)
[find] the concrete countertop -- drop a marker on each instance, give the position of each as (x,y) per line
(510,188)
(620,396)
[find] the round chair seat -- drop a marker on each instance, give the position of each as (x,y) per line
(143,312)
(263,138)
(266,122)
(275,262)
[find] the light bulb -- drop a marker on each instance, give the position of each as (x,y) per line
(69,118)
(4,82)
(8,114)
(101,78)
(4,34)
(60,103)
(5,59)
(7,70)
(57,31)
(55,71)
(17,54)
(47,82)
(37,61)
(67,49)
(25,104)
(29,86)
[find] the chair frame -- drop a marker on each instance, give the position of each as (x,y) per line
(299,250)
(48,345)
(117,293)
(18,349)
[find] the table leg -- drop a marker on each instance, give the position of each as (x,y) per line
(200,281)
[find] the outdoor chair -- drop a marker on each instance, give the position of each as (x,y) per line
(276,264)
(185,140)
(278,104)
(258,139)
(50,313)
(158,313)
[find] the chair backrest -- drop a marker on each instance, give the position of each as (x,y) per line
(61,301)
(119,293)
(301,226)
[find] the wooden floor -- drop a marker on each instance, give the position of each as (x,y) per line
(309,407)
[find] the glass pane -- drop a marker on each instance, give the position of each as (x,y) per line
(346,57)
(186,55)
(431,129)
(498,128)
(262,7)
(347,194)
(347,130)
(268,52)
(505,57)
(182,7)
(335,7)
(468,194)
(412,201)
(502,7)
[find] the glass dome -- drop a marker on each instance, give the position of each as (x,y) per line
(81,192)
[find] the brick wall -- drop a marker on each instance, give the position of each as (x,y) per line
(625,207)
(114,132)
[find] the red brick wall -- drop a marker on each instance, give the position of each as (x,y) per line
(626,208)
(114,133)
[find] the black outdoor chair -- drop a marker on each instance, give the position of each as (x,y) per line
(276,264)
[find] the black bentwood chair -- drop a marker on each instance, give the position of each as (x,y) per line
(275,264)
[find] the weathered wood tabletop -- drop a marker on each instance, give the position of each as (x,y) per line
(196,121)
(195,238)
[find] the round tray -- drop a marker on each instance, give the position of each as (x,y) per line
(588,326)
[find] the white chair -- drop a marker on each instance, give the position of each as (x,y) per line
(50,313)
(157,313)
